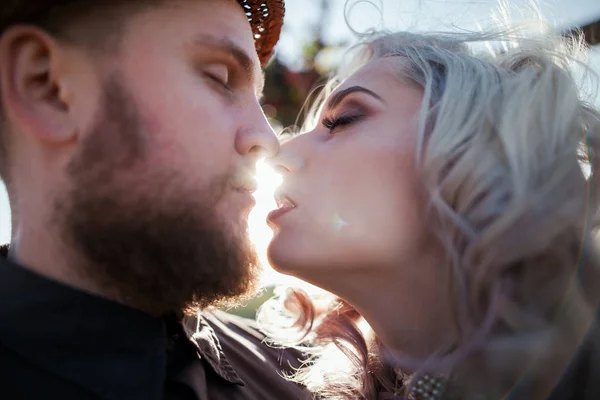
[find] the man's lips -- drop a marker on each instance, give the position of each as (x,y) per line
(245,189)
(245,184)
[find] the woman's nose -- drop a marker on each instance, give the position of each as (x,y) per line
(289,159)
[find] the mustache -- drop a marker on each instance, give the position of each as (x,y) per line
(243,179)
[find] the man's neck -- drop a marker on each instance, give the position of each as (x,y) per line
(45,254)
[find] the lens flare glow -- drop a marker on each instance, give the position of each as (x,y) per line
(260,233)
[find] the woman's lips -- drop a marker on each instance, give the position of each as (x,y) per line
(284,205)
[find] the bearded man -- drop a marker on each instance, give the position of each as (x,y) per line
(128,138)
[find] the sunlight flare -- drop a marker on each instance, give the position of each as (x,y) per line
(260,233)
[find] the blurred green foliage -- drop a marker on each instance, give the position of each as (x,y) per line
(288,87)
(249,309)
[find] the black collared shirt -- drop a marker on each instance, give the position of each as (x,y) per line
(57,342)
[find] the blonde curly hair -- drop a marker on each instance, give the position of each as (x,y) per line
(502,140)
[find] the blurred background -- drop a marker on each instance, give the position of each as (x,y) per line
(314,37)
(317,32)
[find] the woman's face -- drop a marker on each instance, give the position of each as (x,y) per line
(352,180)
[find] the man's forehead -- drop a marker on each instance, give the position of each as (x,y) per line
(217,25)
(229,30)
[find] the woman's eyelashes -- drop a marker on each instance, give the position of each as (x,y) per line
(334,123)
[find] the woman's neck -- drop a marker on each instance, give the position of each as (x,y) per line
(410,313)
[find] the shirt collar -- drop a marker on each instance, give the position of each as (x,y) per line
(209,348)
(90,340)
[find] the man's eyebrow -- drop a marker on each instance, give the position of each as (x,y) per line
(336,98)
(246,62)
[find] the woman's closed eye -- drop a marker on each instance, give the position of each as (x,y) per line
(344,120)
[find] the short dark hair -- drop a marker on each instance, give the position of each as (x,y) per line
(57,17)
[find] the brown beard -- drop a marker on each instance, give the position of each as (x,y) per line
(149,240)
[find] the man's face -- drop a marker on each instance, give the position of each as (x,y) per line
(159,183)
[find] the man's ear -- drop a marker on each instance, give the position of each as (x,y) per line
(34,94)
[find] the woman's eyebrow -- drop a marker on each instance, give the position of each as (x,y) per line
(336,98)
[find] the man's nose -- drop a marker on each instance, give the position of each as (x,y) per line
(257,139)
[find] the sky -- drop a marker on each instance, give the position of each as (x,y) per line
(419,15)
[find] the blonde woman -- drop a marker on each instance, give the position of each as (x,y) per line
(446,199)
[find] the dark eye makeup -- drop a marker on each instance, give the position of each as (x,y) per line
(332,123)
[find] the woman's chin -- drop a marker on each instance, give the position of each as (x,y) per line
(277,256)
(284,256)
